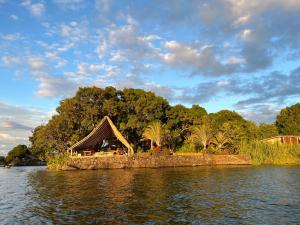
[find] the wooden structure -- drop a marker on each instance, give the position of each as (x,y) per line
(283,139)
(104,131)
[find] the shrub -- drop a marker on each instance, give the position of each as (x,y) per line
(188,147)
(57,162)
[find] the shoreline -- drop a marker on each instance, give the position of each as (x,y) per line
(122,162)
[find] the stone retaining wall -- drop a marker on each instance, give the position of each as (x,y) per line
(114,162)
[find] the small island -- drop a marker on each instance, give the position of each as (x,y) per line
(110,128)
(20,156)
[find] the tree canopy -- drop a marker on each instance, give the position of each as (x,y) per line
(19,151)
(288,120)
(133,110)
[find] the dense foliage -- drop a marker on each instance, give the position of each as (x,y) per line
(2,160)
(131,110)
(142,115)
(288,120)
(20,151)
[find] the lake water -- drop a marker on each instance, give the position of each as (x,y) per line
(201,195)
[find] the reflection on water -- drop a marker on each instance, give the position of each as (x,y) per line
(202,195)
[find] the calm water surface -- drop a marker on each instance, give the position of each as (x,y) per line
(202,195)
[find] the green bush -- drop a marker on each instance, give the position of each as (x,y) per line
(263,153)
(20,151)
(188,147)
(57,162)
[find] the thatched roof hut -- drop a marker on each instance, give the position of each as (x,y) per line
(103,131)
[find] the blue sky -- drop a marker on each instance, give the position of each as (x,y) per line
(221,54)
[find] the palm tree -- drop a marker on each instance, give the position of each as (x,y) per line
(220,140)
(202,134)
(154,132)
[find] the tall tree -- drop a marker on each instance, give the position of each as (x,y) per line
(288,120)
(240,129)
(131,110)
(180,119)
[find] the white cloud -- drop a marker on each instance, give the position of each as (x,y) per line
(151,38)
(196,59)
(70,4)
(89,69)
(65,47)
(260,113)
(36,9)
(59,86)
(53,56)
(118,57)
(11,37)
(96,70)
(130,44)
(37,64)
(4,136)
(101,49)
(8,137)
(235,60)
(16,124)
(247,35)
(11,61)
(257,6)
(13,17)
(61,63)
(73,33)
(241,21)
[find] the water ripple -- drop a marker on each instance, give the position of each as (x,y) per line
(202,195)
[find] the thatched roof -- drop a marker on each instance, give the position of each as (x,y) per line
(105,129)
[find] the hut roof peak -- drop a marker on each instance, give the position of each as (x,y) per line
(104,129)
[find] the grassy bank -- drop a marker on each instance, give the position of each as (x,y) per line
(57,162)
(277,154)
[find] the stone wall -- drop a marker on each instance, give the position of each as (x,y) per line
(114,162)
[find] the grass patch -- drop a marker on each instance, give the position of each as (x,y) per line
(277,154)
(57,162)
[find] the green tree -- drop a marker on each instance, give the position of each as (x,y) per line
(267,130)
(202,134)
(20,151)
(222,140)
(288,120)
(240,129)
(131,110)
(155,132)
(141,109)
(180,119)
